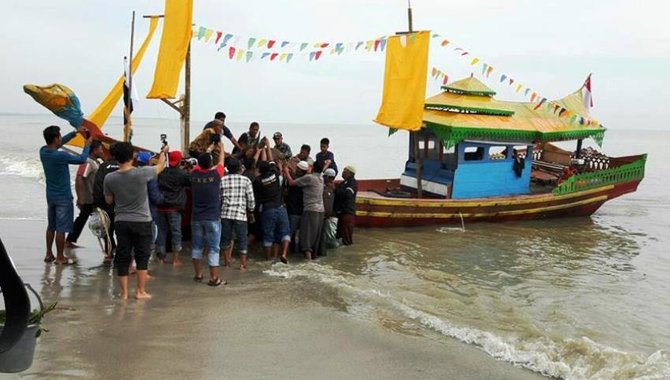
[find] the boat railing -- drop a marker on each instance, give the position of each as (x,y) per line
(628,169)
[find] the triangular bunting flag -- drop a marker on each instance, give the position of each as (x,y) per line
(518,88)
(532,97)
(540,103)
(489,71)
(444,43)
(273,56)
(249,55)
(502,78)
(262,42)
(288,58)
(264,55)
(526,92)
(376,44)
(271,43)
(317,55)
(284,43)
(201,32)
(231,52)
(445,79)
(484,67)
(226,39)
(433,73)
(303,46)
(359,44)
(311,55)
(382,45)
(474,61)
(218,37)
(282,56)
(240,55)
(251,43)
(208,35)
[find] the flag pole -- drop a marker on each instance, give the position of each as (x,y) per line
(414,136)
(127,126)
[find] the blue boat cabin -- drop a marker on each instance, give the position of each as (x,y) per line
(471,169)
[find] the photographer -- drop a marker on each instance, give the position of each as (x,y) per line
(171,183)
(210,135)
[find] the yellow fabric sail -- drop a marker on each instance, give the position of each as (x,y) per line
(404,81)
(100,115)
(174,45)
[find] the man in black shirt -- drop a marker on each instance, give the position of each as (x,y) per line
(274,219)
(345,205)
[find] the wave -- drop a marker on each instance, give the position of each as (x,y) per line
(22,167)
(558,357)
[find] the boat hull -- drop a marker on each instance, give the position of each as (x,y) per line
(375,210)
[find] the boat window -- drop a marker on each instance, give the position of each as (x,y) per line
(497,152)
(520,150)
(473,153)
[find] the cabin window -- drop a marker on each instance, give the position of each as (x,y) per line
(521,150)
(473,153)
(429,148)
(498,153)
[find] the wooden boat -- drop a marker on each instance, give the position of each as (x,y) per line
(467,150)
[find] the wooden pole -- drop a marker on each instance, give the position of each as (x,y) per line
(127,127)
(186,105)
(415,135)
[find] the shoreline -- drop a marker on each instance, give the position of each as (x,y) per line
(258,326)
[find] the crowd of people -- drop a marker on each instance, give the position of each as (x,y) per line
(256,193)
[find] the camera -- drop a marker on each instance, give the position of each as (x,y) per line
(214,138)
(164,139)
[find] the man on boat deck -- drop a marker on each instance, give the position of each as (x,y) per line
(345,205)
(206,215)
(249,139)
(127,189)
(83,185)
(225,130)
(302,156)
(326,156)
(59,193)
(209,137)
(281,146)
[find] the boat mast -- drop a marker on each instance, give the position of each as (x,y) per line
(127,126)
(414,136)
(183,104)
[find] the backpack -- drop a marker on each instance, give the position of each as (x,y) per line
(98,191)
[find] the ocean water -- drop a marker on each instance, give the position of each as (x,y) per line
(573,298)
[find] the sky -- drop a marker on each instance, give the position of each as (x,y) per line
(550,46)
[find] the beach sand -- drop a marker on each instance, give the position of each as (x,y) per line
(257,327)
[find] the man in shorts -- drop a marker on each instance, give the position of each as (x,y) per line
(59,194)
(274,218)
(237,207)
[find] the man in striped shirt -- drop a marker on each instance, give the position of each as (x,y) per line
(237,204)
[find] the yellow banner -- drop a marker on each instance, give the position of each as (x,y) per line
(100,115)
(404,82)
(174,45)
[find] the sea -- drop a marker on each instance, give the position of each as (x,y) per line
(571,298)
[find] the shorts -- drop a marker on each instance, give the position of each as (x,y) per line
(60,215)
(240,229)
(275,226)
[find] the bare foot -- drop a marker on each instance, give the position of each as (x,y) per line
(243,268)
(142,296)
(177,262)
(49,257)
(123,296)
(150,277)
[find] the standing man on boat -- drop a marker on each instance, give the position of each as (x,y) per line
(225,131)
(127,189)
(206,215)
(326,156)
(59,194)
(281,146)
(250,138)
(345,205)
(83,185)
(237,207)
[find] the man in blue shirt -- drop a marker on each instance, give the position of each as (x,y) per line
(59,192)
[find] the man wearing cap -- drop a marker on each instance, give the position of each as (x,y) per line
(172,183)
(345,205)
(206,215)
(281,146)
(329,232)
(311,219)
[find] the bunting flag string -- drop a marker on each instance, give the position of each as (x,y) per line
(247,49)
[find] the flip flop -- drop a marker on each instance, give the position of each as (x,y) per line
(216,282)
(283,260)
(49,259)
(197,278)
(68,261)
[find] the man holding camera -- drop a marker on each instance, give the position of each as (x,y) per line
(59,194)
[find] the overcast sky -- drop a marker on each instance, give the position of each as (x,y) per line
(550,46)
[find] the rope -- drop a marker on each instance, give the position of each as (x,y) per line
(99,225)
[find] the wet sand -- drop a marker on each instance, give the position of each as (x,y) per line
(256,327)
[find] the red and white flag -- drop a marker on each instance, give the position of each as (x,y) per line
(588,98)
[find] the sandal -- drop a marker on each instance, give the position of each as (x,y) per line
(49,259)
(283,260)
(216,282)
(197,278)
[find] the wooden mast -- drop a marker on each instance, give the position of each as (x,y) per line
(128,125)
(183,104)
(414,136)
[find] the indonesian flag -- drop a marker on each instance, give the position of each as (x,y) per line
(588,98)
